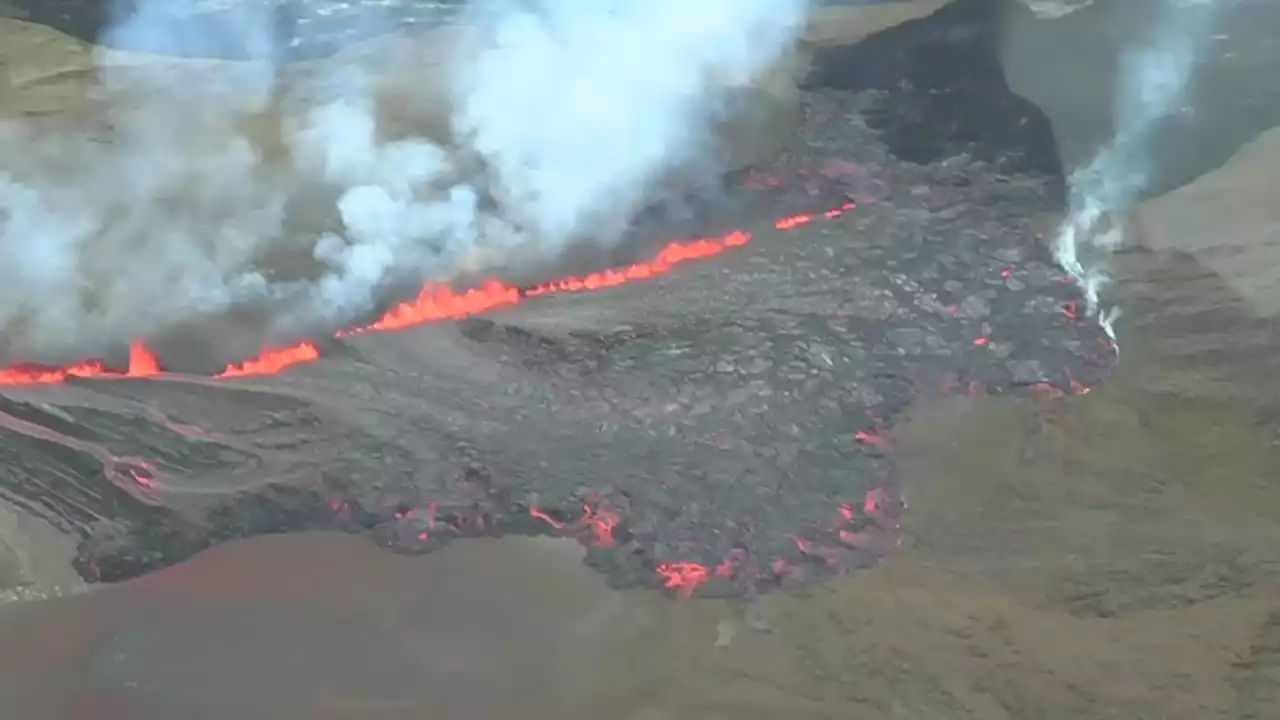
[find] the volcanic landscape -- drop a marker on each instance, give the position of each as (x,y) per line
(709,420)
(843,385)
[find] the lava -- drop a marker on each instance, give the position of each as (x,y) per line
(595,527)
(869,525)
(270,361)
(433,303)
(142,363)
(682,577)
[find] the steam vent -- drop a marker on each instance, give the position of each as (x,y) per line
(708,406)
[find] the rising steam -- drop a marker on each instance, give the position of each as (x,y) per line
(560,117)
(1152,85)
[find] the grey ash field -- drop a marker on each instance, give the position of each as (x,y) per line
(721,426)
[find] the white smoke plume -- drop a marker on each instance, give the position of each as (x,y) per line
(562,114)
(1152,85)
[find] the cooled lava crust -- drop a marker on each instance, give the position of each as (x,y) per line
(716,423)
(719,428)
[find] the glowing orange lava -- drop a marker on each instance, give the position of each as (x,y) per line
(595,526)
(142,363)
(271,361)
(682,577)
(434,302)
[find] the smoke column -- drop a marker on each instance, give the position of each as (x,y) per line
(1152,84)
(562,115)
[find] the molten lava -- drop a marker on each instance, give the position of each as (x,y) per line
(269,361)
(595,527)
(433,303)
(142,363)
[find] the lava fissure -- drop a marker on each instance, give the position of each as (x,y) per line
(906,312)
(433,303)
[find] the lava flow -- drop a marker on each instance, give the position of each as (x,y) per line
(142,363)
(433,303)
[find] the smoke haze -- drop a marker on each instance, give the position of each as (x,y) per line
(1151,85)
(541,124)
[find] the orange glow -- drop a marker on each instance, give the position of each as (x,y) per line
(433,303)
(871,438)
(142,363)
(273,361)
(42,375)
(682,577)
(671,255)
(436,302)
(594,527)
(537,512)
(793,222)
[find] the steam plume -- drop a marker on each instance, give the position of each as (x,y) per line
(1152,85)
(561,115)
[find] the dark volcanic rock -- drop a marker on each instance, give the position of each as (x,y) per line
(721,428)
(938,90)
(726,419)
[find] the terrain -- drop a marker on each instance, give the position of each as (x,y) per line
(1099,554)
